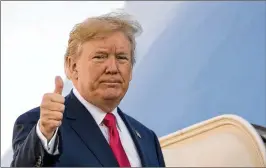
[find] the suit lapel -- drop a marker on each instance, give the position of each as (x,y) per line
(87,129)
(137,138)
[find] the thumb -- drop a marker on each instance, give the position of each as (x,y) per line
(59,84)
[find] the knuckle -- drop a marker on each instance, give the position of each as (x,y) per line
(42,113)
(63,99)
(46,95)
(59,123)
(62,107)
(60,116)
(46,98)
(57,107)
(43,124)
(56,98)
(44,104)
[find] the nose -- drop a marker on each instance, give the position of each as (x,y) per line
(111,65)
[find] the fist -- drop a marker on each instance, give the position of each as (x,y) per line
(52,109)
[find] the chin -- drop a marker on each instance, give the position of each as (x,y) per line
(112,94)
(111,97)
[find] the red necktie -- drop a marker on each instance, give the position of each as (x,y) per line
(114,141)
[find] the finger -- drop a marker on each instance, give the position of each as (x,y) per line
(57,116)
(52,124)
(59,84)
(58,99)
(53,106)
(51,115)
(53,97)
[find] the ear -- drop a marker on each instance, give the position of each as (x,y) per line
(130,75)
(72,68)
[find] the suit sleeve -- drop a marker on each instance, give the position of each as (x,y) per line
(28,150)
(51,147)
(159,151)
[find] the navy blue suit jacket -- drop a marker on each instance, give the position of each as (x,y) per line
(81,142)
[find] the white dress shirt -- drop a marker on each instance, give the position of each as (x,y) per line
(98,115)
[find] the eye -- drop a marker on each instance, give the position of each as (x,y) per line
(122,57)
(101,56)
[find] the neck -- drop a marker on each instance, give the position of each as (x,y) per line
(105,105)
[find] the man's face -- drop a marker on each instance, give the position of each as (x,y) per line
(104,68)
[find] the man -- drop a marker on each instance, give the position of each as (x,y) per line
(87,128)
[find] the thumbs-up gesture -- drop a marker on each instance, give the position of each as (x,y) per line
(51,110)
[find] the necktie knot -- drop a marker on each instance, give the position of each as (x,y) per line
(109,120)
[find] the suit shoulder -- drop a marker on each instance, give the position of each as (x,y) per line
(137,123)
(30,116)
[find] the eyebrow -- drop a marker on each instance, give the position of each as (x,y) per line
(101,52)
(118,53)
(122,52)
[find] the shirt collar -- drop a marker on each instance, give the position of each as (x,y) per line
(96,112)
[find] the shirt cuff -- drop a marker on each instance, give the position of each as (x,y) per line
(48,146)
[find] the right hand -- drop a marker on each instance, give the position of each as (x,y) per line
(51,110)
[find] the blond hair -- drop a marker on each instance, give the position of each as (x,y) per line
(98,27)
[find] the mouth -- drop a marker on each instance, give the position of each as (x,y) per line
(111,81)
(111,84)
